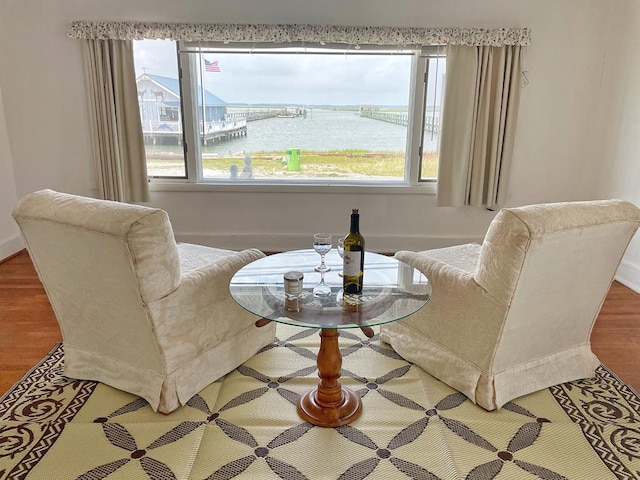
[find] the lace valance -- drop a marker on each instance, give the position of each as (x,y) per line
(316,34)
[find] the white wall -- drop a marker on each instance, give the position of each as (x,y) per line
(10,240)
(42,82)
(620,127)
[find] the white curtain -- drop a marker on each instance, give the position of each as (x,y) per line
(116,128)
(480,109)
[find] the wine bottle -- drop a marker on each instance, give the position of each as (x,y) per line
(353,260)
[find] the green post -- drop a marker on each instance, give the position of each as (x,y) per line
(293,159)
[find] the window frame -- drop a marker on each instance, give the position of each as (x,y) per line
(187,64)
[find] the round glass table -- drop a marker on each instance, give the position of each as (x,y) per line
(392,290)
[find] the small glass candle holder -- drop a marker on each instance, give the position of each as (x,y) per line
(293,291)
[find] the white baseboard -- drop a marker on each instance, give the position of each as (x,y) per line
(11,246)
(628,274)
(278,242)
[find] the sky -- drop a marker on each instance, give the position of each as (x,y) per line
(290,78)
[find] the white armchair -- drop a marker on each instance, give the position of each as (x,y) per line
(514,315)
(138,311)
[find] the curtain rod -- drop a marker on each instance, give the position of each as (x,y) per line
(320,34)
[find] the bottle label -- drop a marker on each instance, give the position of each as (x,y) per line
(352,263)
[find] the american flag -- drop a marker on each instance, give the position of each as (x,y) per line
(211,66)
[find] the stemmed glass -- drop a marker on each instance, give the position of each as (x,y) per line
(322,290)
(322,245)
(341,251)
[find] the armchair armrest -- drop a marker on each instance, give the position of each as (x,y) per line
(460,315)
(434,268)
(213,280)
(201,311)
(465,256)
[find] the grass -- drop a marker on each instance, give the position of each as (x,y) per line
(335,164)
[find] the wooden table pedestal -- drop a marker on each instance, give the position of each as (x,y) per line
(329,404)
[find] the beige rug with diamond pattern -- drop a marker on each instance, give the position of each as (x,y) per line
(245,426)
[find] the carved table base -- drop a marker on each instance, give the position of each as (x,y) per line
(329,404)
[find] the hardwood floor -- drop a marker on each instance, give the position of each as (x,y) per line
(616,335)
(28,328)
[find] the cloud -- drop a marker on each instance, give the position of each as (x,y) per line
(291,78)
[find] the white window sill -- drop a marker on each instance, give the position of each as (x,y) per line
(159,185)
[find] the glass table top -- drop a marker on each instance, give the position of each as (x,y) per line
(391,291)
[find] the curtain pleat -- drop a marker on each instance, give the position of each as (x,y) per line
(480,111)
(118,143)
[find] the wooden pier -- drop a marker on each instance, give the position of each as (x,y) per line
(170,133)
(431,124)
(234,125)
(221,131)
(264,113)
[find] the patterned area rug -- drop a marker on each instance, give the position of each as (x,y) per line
(245,426)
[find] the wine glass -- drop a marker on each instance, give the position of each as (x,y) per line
(322,245)
(341,250)
(322,290)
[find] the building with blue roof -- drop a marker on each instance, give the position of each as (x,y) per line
(161,115)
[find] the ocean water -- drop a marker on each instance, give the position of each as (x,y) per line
(319,130)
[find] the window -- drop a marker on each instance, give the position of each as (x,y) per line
(169,114)
(435,74)
(289,114)
(159,99)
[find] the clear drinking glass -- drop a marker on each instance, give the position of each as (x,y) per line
(322,245)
